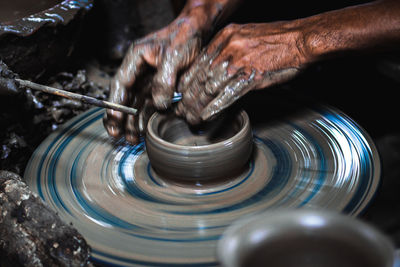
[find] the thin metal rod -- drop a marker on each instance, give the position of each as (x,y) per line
(79,97)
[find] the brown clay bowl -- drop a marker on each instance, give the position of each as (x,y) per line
(214,150)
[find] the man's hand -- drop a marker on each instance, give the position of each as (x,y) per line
(160,57)
(239,59)
(168,51)
(242,58)
(8,85)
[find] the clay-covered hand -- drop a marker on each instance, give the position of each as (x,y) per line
(163,55)
(168,51)
(8,85)
(239,59)
(254,56)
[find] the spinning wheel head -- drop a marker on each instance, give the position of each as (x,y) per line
(316,159)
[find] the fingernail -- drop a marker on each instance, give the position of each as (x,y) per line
(113,131)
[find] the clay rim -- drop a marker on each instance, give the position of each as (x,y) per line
(62,12)
(242,228)
(237,138)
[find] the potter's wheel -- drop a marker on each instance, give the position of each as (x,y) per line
(130,216)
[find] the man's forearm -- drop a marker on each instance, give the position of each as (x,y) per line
(375,25)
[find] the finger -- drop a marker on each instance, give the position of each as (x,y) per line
(112,126)
(231,92)
(179,110)
(131,133)
(192,118)
(132,127)
(164,83)
(114,120)
(202,87)
(132,65)
(187,77)
(207,57)
(125,77)
(175,59)
(192,113)
(193,102)
(189,97)
(201,90)
(187,113)
(136,125)
(218,78)
(200,70)
(196,73)
(147,110)
(236,89)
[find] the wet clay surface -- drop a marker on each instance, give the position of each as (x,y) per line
(178,132)
(16,9)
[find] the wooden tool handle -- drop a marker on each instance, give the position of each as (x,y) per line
(75,96)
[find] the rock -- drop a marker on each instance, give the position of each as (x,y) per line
(32,234)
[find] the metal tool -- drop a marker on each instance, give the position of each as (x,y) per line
(84,98)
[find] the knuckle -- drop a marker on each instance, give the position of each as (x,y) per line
(230,28)
(236,42)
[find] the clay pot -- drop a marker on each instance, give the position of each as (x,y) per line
(214,150)
(38,36)
(304,237)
